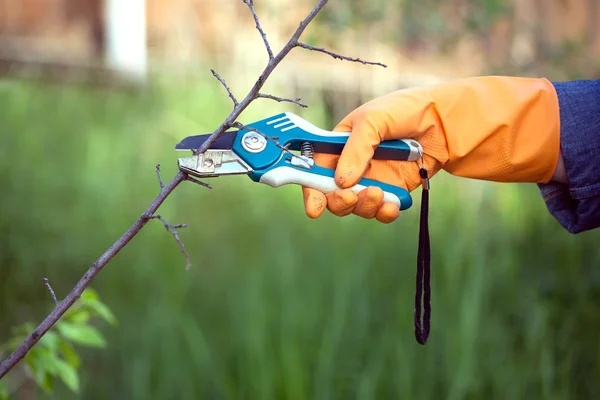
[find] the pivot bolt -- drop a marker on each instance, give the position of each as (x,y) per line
(254,142)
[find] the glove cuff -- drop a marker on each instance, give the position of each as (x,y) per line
(501,129)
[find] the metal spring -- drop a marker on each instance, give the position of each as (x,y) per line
(306,150)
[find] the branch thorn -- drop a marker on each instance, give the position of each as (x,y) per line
(173,229)
(216,75)
(47,283)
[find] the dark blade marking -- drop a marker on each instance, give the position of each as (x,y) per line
(381,153)
(223,142)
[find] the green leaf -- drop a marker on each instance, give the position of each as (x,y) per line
(69,354)
(43,360)
(50,341)
(68,375)
(82,334)
(103,311)
(80,316)
(42,377)
(88,295)
(46,382)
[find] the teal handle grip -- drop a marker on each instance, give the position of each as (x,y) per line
(293,131)
(322,179)
(276,168)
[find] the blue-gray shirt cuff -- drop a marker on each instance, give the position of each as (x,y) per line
(576,206)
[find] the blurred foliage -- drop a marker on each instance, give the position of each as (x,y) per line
(493,28)
(403,22)
(55,354)
(275,305)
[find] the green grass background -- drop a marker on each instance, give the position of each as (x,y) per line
(278,306)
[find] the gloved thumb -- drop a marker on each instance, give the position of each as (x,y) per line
(358,151)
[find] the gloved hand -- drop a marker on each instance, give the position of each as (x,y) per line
(503,129)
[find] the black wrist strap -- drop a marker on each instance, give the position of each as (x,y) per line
(423,267)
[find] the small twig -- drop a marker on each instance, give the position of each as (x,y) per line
(173,229)
(196,181)
(235,102)
(338,56)
(47,283)
(250,4)
(160,181)
(280,99)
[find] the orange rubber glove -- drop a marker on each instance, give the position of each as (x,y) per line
(503,129)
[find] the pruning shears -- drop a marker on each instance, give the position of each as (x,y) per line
(264,150)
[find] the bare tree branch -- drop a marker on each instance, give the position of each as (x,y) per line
(160,181)
(250,4)
(338,56)
(280,99)
(167,189)
(173,229)
(235,102)
(47,283)
(254,92)
(87,278)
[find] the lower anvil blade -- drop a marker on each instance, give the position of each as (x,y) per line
(224,141)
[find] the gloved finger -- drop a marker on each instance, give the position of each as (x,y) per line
(357,153)
(388,212)
(369,201)
(345,125)
(341,202)
(315,202)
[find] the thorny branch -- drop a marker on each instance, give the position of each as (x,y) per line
(250,4)
(87,278)
(47,283)
(167,189)
(187,178)
(160,181)
(235,102)
(173,229)
(280,99)
(339,57)
(197,182)
(273,62)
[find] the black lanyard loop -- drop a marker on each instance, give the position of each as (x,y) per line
(423,266)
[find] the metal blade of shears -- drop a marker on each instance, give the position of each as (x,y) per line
(223,142)
(214,162)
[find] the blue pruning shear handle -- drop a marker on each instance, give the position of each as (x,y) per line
(248,151)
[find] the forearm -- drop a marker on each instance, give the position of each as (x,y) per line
(573,197)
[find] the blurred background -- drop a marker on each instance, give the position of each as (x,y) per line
(95,93)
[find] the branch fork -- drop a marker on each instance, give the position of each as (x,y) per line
(173,229)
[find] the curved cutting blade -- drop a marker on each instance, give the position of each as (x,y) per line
(223,142)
